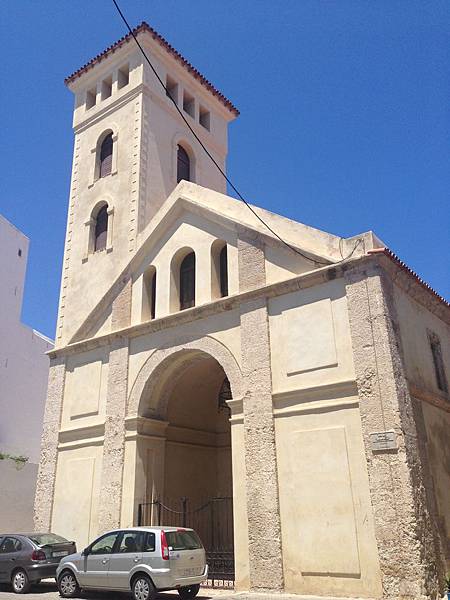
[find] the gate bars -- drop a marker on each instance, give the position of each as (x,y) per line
(212,519)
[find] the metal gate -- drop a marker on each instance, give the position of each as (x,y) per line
(212,519)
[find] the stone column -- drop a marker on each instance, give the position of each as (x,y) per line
(264,529)
(45,486)
(116,402)
(114,442)
(402,524)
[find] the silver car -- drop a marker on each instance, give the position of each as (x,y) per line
(145,560)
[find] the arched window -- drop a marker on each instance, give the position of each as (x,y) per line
(183,165)
(101,229)
(106,153)
(219,269)
(223,271)
(187,282)
(149,294)
(153,297)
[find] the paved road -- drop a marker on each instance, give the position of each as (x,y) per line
(48,591)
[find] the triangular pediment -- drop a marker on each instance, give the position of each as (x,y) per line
(195,215)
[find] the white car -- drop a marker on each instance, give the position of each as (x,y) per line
(145,560)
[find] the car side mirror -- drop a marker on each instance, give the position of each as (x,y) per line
(85,552)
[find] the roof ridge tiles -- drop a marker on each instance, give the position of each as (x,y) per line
(144,26)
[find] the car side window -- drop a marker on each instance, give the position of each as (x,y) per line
(10,544)
(131,542)
(149,542)
(104,545)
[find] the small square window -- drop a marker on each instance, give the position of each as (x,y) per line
(172,89)
(188,104)
(106,88)
(91,98)
(123,76)
(19,252)
(205,118)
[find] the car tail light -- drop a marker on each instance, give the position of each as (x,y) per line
(38,555)
(164,547)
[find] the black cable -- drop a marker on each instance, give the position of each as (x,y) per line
(230,183)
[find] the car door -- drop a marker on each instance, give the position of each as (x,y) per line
(9,556)
(127,554)
(2,561)
(95,565)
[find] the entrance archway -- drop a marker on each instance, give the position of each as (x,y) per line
(198,435)
(183,446)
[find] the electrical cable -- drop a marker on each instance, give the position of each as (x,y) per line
(230,183)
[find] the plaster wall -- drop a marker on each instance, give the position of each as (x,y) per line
(17,496)
(437,426)
(85,389)
(310,338)
(415,321)
(432,412)
(23,383)
(240,514)
(77,492)
(23,363)
(325,502)
(282,263)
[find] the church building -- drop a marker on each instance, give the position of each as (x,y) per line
(296,391)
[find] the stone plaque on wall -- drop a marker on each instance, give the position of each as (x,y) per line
(383,440)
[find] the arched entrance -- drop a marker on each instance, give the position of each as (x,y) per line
(183,447)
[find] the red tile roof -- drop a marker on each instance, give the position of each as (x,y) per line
(387,252)
(144,27)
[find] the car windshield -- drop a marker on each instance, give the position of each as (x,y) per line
(183,540)
(45,539)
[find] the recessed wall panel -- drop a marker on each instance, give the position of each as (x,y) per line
(318,502)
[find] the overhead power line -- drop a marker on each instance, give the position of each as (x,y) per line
(222,172)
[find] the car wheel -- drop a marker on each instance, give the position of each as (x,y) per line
(20,582)
(189,592)
(142,588)
(68,585)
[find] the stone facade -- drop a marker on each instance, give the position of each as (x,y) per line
(315,350)
(395,476)
(45,487)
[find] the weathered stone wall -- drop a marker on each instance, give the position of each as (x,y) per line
(264,529)
(45,486)
(402,523)
(114,441)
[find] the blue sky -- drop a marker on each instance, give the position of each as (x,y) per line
(344,115)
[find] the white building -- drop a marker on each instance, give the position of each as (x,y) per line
(23,385)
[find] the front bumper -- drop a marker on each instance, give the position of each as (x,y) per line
(41,571)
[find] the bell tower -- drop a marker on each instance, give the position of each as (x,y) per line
(131,148)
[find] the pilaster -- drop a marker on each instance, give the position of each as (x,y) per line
(45,487)
(114,441)
(264,529)
(402,523)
